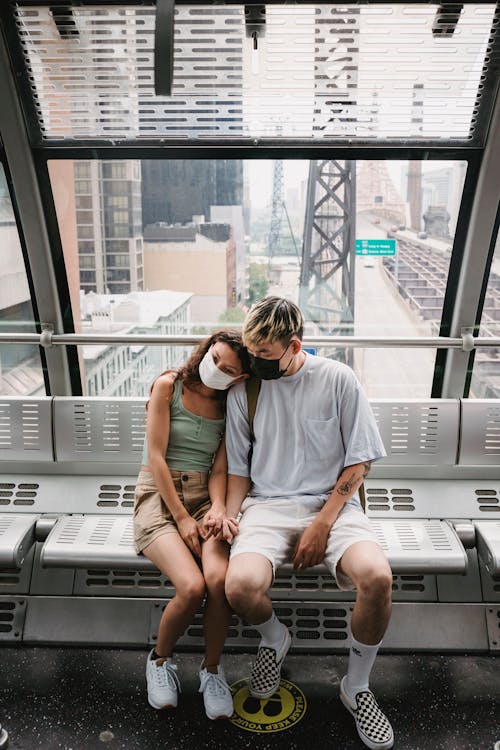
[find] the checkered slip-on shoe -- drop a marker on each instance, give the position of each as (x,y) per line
(372,725)
(266,669)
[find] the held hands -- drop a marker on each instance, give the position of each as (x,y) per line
(218,525)
(311,546)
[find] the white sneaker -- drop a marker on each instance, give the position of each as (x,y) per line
(216,694)
(163,683)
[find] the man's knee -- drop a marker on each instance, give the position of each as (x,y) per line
(375,583)
(244,583)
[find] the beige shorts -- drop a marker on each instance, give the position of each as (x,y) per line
(272,527)
(152,517)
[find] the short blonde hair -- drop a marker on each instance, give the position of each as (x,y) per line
(272,319)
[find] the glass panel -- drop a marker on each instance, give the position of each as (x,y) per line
(485,382)
(20,366)
(363,248)
(365,72)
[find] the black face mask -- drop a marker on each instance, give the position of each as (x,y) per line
(268,369)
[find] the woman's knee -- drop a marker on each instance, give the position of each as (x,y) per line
(192,590)
(216,582)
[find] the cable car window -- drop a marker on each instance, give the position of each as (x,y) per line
(315,71)
(20,366)
(364,248)
(485,382)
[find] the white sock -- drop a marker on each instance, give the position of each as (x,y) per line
(361,659)
(273,632)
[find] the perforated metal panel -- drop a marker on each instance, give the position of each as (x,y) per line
(317,584)
(87,541)
(141,583)
(17,580)
(25,429)
(425,546)
(12,615)
(99,429)
(320,71)
(418,432)
(480,432)
(312,625)
(413,546)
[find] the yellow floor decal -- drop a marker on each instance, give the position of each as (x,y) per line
(281,711)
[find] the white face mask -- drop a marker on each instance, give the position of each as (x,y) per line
(211,376)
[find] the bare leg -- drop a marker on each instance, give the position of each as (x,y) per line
(169,553)
(217,613)
(367,567)
(248,580)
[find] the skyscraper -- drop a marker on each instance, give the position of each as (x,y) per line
(174,190)
(109,226)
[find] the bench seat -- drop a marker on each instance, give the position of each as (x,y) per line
(488,544)
(17,536)
(87,541)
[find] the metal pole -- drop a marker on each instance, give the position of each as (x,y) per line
(386,342)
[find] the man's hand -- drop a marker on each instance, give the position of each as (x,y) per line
(311,545)
(230,528)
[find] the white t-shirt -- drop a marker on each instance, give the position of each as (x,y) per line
(308,427)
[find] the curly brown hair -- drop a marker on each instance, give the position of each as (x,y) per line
(189,371)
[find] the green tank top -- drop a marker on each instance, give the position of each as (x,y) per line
(192,440)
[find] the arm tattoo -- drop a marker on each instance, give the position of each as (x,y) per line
(347,485)
(350,484)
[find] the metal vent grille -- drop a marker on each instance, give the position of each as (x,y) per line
(12,613)
(320,71)
(116,495)
(29,415)
(9,577)
(491,444)
(418,432)
(25,429)
(122,583)
(22,493)
(480,433)
(312,626)
(487,500)
(382,499)
(103,430)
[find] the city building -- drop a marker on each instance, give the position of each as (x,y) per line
(175,189)
(198,258)
(129,370)
(109,226)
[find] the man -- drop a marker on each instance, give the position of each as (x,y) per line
(314,439)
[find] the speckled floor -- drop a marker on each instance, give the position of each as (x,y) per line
(82,699)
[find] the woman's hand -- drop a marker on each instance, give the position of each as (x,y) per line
(191,532)
(212,522)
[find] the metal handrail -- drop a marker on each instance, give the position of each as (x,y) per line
(47,339)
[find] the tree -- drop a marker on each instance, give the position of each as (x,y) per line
(258,283)
(232,315)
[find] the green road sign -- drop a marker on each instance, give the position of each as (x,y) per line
(375,247)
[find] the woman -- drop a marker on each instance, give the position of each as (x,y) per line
(179,521)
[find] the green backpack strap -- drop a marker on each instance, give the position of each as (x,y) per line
(252,385)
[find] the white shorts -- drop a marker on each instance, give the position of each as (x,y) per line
(271,528)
